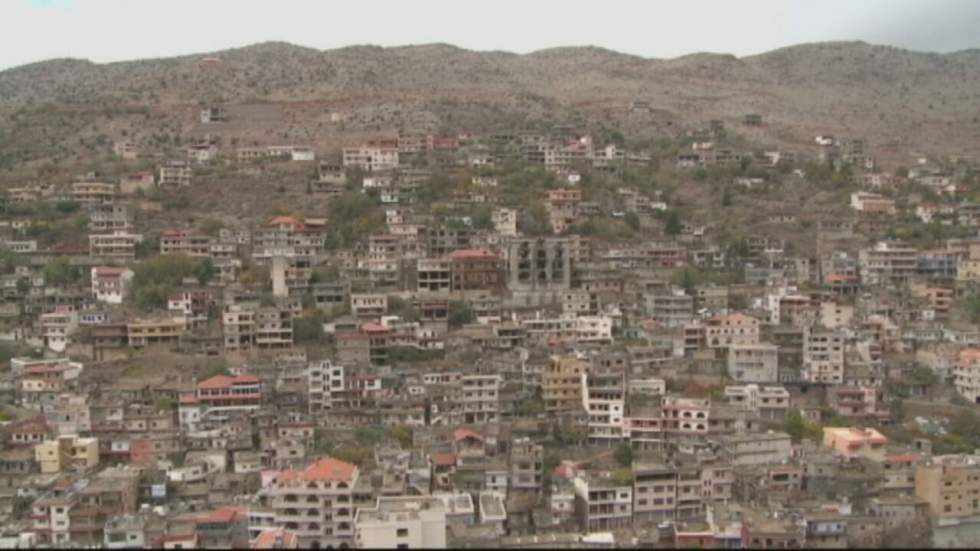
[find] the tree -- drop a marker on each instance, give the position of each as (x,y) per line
(307,330)
(673,224)
(483,218)
(205,271)
(632,220)
(726,198)
(211,226)
(460,314)
(58,271)
(213,368)
(402,434)
(155,278)
(624,454)
(795,426)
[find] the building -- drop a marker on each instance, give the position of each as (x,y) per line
(477,400)
(603,503)
(57,327)
(856,442)
(872,203)
(155,331)
(316,503)
(541,264)
(753,363)
(823,356)
(966,374)
(561,383)
(371,159)
(402,522)
(604,400)
(723,331)
(174,174)
(949,484)
(118,245)
(110,284)
(475,270)
(758,448)
(68,452)
(767,402)
(505,222)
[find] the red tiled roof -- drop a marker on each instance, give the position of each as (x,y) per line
(221,381)
(267,539)
(472,253)
(461,434)
(373,328)
(223,515)
(280,220)
(34,424)
(110,271)
(902,458)
(329,468)
(443,459)
(566,469)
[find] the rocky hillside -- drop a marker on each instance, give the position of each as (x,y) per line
(905,101)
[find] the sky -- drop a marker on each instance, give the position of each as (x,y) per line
(117,30)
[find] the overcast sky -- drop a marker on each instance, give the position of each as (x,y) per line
(114,30)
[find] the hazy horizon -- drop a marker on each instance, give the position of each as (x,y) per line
(106,31)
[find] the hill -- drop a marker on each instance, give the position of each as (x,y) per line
(899,100)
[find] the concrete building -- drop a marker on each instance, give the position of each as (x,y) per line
(966,374)
(371,159)
(753,363)
(561,383)
(949,484)
(110,284)
(823,356)
(852,442)
(758,448)
(767,402)
(603,503)
(175,174)
(539,264)
(723,331)
(317,502)
(604,400)
(118,245)
(403,522)
(68,452)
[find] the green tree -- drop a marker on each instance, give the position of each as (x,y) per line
(460,314)
(155,279)
(59,271)
(308,329)
(483,218)
(632,220)
(205,271)
(673,223)
(795,426)
(624,454)
(211,226)
(726,197)
(402,434)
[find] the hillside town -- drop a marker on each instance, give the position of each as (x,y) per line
(555,337)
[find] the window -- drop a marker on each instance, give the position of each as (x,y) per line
(402,533)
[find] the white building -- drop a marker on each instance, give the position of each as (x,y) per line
(753,363)
(110,284)
(403,522)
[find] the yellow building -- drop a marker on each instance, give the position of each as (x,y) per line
(561,383)
(67,452)
(155,331)
(856,442)
(950,484)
